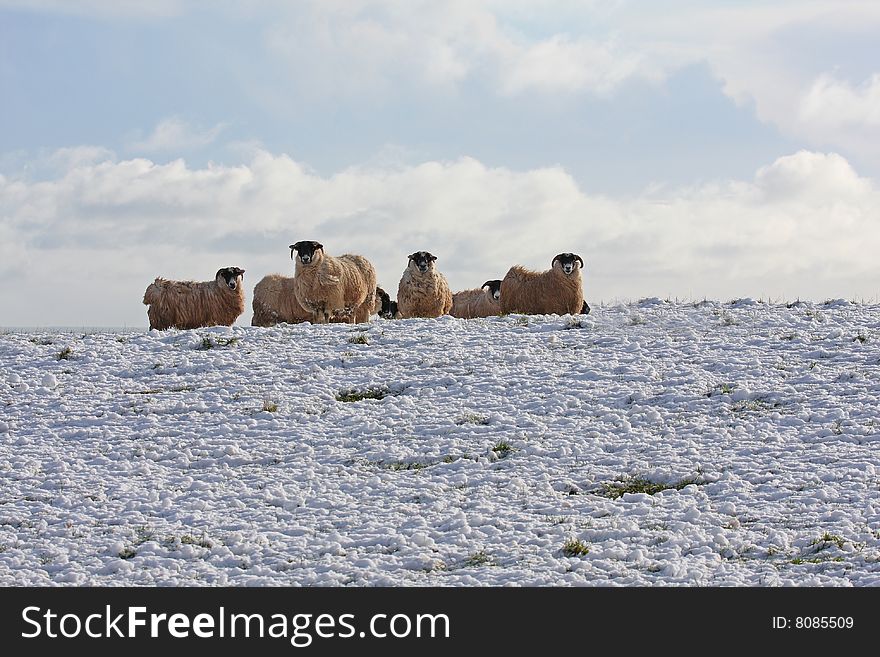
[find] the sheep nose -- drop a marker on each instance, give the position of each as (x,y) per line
(305,259)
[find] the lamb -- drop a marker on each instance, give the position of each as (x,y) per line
(275,301)
(558,290)
(478,303)
(326,286)
(191,304)
(423,291)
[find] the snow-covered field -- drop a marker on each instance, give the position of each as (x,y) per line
(498,454)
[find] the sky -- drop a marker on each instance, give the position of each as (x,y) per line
(684,149)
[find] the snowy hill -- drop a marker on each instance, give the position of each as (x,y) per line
(650,443)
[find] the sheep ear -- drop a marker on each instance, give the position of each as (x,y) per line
(412,256)
(317,245)
(293,247)
(433,258)
(486,284)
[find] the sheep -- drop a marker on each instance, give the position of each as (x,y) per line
(191,304)
(423,291)
(275,301)
(342,287)
(557,291)
(585,309)
(478,303)
(385,307)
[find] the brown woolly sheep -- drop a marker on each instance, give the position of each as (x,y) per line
(342,287)
(423,291)
(275,301)
(191,304)
(558,290)
(484,302)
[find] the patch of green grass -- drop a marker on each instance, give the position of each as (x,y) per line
(64,354)
(397,466)
(208,343)
(472,418)
(826,540)
(270,406)
(574,547)
(203,542)
(503,449)
(359,395)
(797,561)
(361,338)
(478,559)
(127,553)
(757,405)
(721,389)
(619,488)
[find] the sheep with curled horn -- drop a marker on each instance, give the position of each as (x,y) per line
(423,291)
(192,304)
(484,302)
(556,291)
(342,287)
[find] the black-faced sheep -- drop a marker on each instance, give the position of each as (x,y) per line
(423,291)
(191,304)
(342,287)
(385,307)
(558,290)
(275,301)
(478,303)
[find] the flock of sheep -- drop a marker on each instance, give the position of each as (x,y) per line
(343,289)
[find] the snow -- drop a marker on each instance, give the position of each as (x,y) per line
(223,457)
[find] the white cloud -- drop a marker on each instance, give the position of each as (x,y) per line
(761,53)
(175,134)
(836,103)
(806,225)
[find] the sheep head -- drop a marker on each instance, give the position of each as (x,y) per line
(230,277)
(307,249)
(422,260)
(567,262)
(494,290)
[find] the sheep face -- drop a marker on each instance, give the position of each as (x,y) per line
(422,261)
(308,250)
(494,290)
(568,263)
(230,277)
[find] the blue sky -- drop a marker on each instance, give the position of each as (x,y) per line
(695,149)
